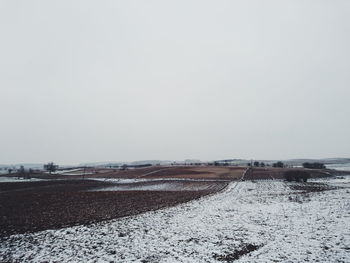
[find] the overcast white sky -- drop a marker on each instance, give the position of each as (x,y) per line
(85,81)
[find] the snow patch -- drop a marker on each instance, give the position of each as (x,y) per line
(4,179)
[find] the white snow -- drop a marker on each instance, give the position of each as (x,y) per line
(139,180)
(340,167)
(81,173)
(313,227)
(140,187)
(64,171)
(75,171)
(4,179)
(159,186)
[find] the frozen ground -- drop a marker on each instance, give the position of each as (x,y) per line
(75,171)
(142,180)
(167,185)
(4,179)
(341,167)
(276,223)
(159,184)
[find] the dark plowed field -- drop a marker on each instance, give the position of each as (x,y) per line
(35,206)
(258,173)
(194,172)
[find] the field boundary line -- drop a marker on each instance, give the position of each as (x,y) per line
(153,172)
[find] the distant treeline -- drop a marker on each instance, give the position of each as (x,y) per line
(126,166)
(314,165)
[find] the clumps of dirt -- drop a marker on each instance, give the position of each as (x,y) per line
(311,187)
(177,171)
(299,198)
(36,206)
(51,186)
(236,254)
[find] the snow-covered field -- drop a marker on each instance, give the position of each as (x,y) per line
(142,180)
(284,225)
(4,179)
(341,167)
(166,185)
(3,172)
(75,171)
(160,184)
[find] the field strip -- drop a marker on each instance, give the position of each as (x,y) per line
(245,172)
(153,172)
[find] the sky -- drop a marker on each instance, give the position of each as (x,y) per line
(90,81)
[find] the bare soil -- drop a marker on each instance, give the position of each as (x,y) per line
(236,254)
(167,185)
(201,172)
(189,172)
(311,187)
(35,206)
(67,200)
(260,173)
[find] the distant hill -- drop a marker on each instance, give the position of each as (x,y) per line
(26,165)
(293,162)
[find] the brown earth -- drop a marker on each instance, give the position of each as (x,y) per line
(167,185)
(207,172)
(52,186)
(310,187)
(261,173)
(194,172)
(35,206)
(68,200)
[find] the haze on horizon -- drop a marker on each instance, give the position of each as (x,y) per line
(88,81)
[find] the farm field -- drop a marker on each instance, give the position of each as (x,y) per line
(189,172)
(227,173)
(250,221)
(207,215)
(55,201)
(259,173)
(53,206)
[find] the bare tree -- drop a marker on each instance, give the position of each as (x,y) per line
(279,164)
(21,172)
(50,167)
